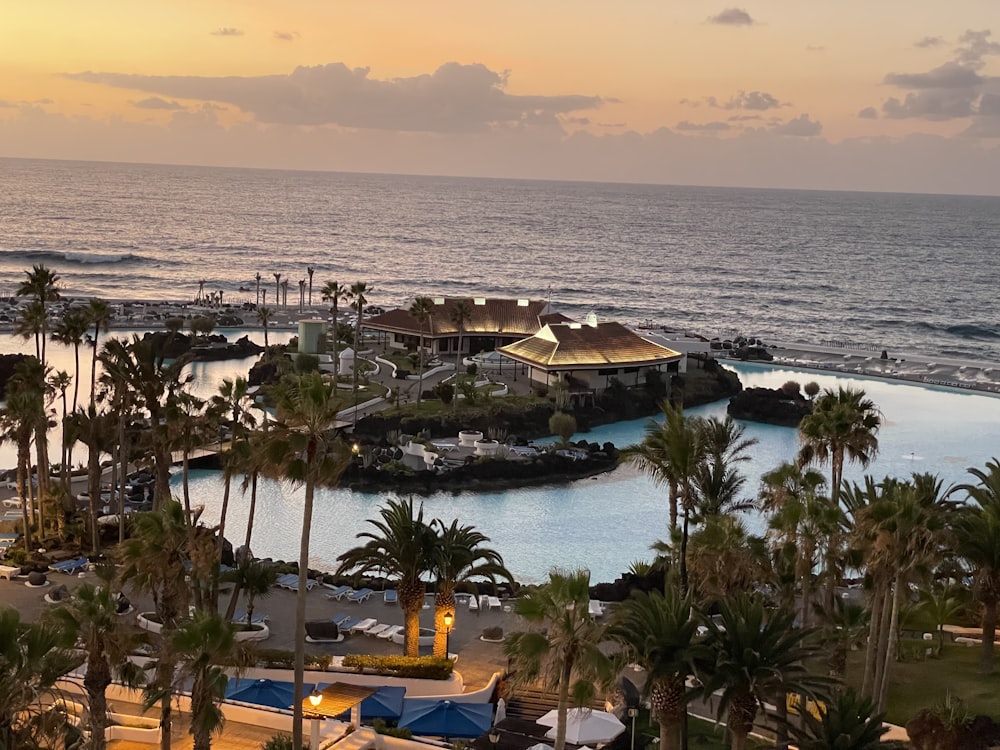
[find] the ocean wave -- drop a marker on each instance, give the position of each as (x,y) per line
(974,332)
(80,257)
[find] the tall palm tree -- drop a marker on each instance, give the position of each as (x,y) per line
(203,644)
(977,529)
(95,429)
(277,289)
(563,650)
(186,423)
(155,559)
(671,454)
(718,481)
(357,293)
(254,578)
(91,616)
(421,309)
(310,271)
(401,547)
(59,382)
(33,657)
(657,632)
(459,556)
(303,448)
(257,277)
(758,656)
(302,294)
(284,294)
(264,315)
(843,425)
(41,284)
(71,330)
(29,380)
(334,293)
(17,421)
(99,315)
(459,314)
(31,323)
(724,557)
(139,365)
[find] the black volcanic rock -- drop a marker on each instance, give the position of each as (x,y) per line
(769,405)
(210,348)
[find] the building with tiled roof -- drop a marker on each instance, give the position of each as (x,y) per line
(492,323)
(589,355)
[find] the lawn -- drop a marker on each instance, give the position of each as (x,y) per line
(922,683)
(702,735)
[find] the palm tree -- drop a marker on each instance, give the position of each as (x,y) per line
(310,270)
(843,425)
(460,314)
(717,482)
(17,421)
(657,632)
(59,382)
(357,293)
(421,309)
(185,420)
(257,277)
(303,448)
(264,315)
(844,627)
(91,616)
(29,380)
(401,547)
(564,652)
(671,454)
(977,529)
(99,315)
(849,722)
(155,557)
(94,429)
(31,323)
(284,294)
(254,578)
(758,657)
(334,292)
(203,644)
(71,330)
(302,294)
(458,556)
(277,289)
(723,557)
(42,285)
(33,657)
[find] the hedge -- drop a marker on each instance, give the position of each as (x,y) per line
(420,667)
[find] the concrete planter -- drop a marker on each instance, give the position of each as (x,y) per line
(144,621)
(468,438)
(487,447)
(257,632)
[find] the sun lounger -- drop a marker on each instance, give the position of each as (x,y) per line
(360,595)
(291,582)
(70,567)
(494,602)
(9,571)
(473,604)
(363,625)
(595,608)
(390,596)
(340,620)
(390,632)
(346,625)
(374,631)
(258,617)
(338,592)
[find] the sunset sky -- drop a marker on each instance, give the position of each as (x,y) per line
(845,94)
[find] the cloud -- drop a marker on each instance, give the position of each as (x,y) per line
(815,48)
(286,36)
(703,127)
(227,31)
(974,46)
(454,98)
(929,41)
(931,105)
(732,17)
(5,104)
(753,100)
(155,102)
(743,118)
(951,75)
(801,127)
(868,113)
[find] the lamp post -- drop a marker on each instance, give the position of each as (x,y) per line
(315,698)
(494,736)
(633,712)
(449,618)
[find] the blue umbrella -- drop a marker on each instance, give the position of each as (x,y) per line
(270,693)
(387,703)
(439,718)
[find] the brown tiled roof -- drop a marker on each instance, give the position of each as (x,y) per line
(510,317)
(576,345)
(338,697)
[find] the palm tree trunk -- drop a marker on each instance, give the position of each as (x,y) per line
(94,489)
(874,633)
(444,602)
(96,683)
(23,482)
(76,377)
(684,546)
(300,603)
(123,473)
(184,484)
(420,375)
(222,532)
(563,705)
(892,638)
(411,619)
(989,635)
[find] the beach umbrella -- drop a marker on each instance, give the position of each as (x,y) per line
(272,693)
(437,718)
(387,703)
(584,725)
(501,713)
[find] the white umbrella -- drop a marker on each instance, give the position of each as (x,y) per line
(501,713)
(584,725)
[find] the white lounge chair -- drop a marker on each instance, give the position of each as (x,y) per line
(359,596)
(377,629)
(364,625)
(390,632)
(338,592)
(473,604)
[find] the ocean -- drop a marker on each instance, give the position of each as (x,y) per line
(905,272)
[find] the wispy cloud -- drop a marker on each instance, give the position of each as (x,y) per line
(929,41)
(287,36)
(227,31)
(703,127)
(732,17)
(758,101)
(155,102)
(868,113)
(454,98)
(801,127)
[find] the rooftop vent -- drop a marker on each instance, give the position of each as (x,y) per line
(479,301)
(575,326)
(439,300)
(591,319)
(522,303)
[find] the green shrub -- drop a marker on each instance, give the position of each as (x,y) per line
(276,658)
(471,369)
(420,667)
(445,392)
(381,727)
(563,425)
(279,742)
(306,363)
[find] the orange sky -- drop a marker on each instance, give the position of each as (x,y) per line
(158,71)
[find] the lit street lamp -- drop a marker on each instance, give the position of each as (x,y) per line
(315,698)
(449,618)
(494,736)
